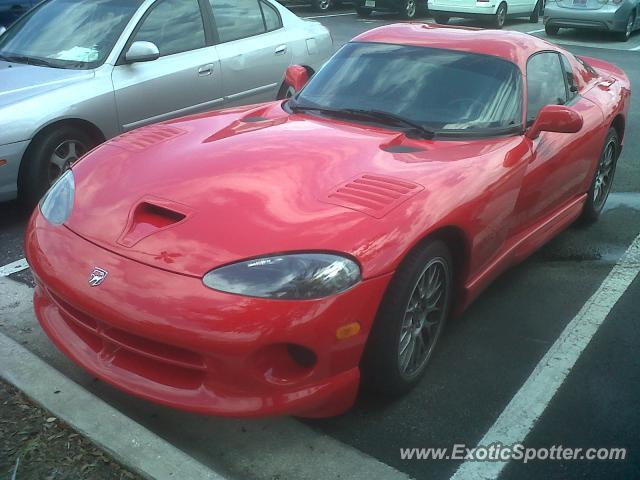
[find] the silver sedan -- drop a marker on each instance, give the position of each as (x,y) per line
(74,73)
(619,16)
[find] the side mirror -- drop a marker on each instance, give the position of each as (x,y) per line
(296,77)
(555,118)
(2,30)
(142,52)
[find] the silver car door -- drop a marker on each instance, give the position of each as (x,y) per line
(185,79)
(253,48)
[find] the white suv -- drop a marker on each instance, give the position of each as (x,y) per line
(496,11)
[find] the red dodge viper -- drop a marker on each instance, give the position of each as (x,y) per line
(267,260)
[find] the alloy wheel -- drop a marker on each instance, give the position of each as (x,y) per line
(410,8)
(324,5)
(64,156)
(423,318)
(604,177)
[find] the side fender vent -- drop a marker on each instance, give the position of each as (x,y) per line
(375,195)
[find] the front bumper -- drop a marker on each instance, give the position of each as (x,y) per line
(12,154)
(167,338)
(609,17)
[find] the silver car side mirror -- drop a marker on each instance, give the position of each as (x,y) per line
(2,30)
(142,52)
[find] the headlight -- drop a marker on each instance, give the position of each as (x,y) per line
(57,203)
(296,276)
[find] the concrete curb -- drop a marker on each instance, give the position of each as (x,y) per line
(128,442)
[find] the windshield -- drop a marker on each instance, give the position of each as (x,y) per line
(445,91)
(68,33)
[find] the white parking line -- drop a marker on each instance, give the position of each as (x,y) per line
(14,267)
(530,402)
(536,31)
(332,15)
(635,48)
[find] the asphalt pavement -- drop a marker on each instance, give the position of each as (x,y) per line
(484,358)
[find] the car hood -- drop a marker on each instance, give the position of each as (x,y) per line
(196,193)
(19,81)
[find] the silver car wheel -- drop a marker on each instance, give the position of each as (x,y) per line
(64,156)
(604,176)
(630,24)
(324,5)
(423,318)
(410,8)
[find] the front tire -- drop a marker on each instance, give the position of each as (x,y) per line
(441,20)
(409,321)
(551,30)
(500,16)
(48,156)
(603,180)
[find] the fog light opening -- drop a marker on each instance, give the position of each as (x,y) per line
(303,356)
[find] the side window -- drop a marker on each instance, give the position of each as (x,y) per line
(545,83)
(271,17)
(174,26)
(236,19)
(570,78)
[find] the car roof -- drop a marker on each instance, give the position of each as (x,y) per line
(516,47)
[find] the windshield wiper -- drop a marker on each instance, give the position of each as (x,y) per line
(29,60)
(375,115)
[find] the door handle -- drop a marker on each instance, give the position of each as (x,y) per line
(205,70)
(280,49)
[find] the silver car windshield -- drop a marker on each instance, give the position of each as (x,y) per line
(67,33)
(448,92)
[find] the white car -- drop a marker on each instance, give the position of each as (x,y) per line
(495,11)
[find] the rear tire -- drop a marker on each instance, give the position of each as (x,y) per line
(409,321)
(551,30)
(363,12)
(626,35)
(48,156)
(441,20)
(535,15)
(603,179)
(500,16)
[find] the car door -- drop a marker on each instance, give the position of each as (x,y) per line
(185,79)
(253,48)
(559,162)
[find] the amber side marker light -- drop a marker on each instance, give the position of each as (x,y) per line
(348,330)
(3,162)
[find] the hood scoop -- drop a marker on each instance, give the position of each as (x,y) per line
(375,195)
(143,138)
(247,124)
(150,216)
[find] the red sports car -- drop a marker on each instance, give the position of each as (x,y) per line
(266,260)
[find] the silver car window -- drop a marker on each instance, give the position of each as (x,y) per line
(237,19)
(174,26)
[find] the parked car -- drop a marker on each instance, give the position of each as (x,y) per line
(317,5)
(619,16)
(493,11)
(264,260)
(122,64)
(406,8)
(11,10)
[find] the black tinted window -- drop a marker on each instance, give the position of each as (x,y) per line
(237,19)
(173,26)
(443,90)
(545,83)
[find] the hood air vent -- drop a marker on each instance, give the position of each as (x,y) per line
(375,195)
(138,140)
